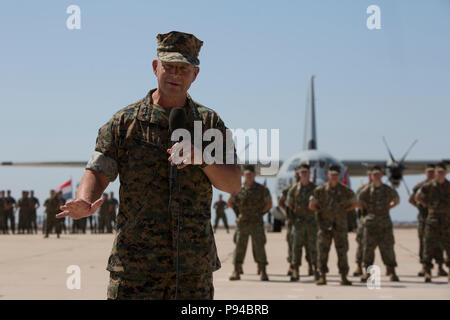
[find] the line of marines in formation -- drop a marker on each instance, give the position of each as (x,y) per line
(27,207)
(316,215)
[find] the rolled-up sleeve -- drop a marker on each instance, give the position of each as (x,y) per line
(104,159)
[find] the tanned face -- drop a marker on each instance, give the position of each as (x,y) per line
(249,177)
(440,176)
(333,177)
(429,174)
(174,78)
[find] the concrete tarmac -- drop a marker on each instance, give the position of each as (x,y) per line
(32,267)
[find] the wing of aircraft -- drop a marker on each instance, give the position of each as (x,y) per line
(359,167)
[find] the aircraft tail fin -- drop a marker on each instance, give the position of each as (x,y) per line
(310,136)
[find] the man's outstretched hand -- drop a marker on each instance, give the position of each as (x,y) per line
(77,209)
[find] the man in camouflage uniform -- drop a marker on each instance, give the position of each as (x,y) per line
(253,200)
(282,203)
(52,205)
(435,196)
(24,206)
(112,207)
(304,233)
(422,216)
(104,220)
(378,199)
(164,246)
(236,231)
(3,223)
(331,202)
(9,210)
(35,206)
(362,213)
(220,207)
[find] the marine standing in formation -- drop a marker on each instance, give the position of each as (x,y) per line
(113,203)
(220,207)
(422,217)
(52,205)
(34,206)
(332,201)
(252,201)
(362,213)
(435,196)
(282,203)
(159,252)
(304,233)
(3,222)
(378,199)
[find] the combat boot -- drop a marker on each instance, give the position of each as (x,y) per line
(441,271)
(344,281)
(358,271)
(392,276)
(291,267)
(295,276)
(427,275)
(322,279)
(263,275)
(421,273)
(365,276)
(241,271)
(316,274)
(235,275)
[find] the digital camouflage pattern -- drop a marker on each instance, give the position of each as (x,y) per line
(178,47)
(250,202)
(304,223)
(219,206)
(135,141)
(422,217)
(437,225)
(332,222)
(161,287)
(378,229)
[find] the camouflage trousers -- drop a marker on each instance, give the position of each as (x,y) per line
(289,240)
(324,238)
(224,219)
(304,234)
(378,232)
(359,241)
(437,234)
(253,243)
(161,287)
(256,231)
(438,255)
(10,217)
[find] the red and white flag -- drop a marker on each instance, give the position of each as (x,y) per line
(66,189)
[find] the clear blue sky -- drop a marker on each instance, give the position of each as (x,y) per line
(58,86)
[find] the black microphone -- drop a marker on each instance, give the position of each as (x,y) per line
(177,120)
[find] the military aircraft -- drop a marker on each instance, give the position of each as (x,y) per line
(319,161)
